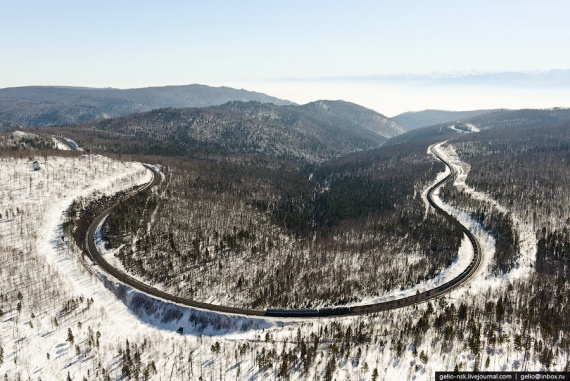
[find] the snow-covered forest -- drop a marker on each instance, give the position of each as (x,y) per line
(259,237)
(61,318)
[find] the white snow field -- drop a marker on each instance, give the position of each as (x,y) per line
(60,317)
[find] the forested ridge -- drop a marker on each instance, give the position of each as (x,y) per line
(311,133)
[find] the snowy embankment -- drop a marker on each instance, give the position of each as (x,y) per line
(34,202)
(527,243)
(59,144)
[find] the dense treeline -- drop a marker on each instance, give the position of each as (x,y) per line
(553,253)
(344,198)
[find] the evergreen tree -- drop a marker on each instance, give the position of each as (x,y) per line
(70,336)
(330,368)
(546,357)
(399,348)
(375,374)
(500,310)
(423,357)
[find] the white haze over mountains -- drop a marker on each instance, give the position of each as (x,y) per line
(454,91)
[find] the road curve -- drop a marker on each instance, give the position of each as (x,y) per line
(92,250)
(94,253)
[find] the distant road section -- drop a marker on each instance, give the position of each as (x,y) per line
(94,253)
(68,142)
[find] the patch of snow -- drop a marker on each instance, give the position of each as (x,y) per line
(23,135)
(472,127)
(453,128)
(73,144)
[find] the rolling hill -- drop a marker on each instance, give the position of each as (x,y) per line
(38,106)
(313,132)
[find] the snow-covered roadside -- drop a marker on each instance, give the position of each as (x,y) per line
(145,309)
(527,241)
(59,145)
(37,200)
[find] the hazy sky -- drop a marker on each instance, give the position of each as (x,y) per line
(254,44)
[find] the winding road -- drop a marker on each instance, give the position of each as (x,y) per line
(442,289)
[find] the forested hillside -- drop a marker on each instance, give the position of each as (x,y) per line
(310,133)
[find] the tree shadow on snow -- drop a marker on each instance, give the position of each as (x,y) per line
(184,320)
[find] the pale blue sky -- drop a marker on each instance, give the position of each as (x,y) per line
(151,43)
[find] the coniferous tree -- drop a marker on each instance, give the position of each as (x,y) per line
(70,337)
(375,374)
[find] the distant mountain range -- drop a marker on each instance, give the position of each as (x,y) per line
(38,106)
(535,79)
(313,132)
